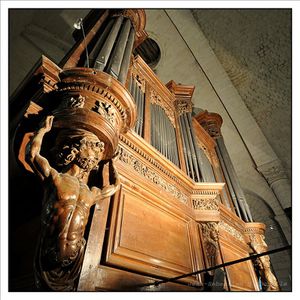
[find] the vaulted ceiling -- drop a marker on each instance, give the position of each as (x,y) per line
(254,47)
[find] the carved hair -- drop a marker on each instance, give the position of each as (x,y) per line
(69,142)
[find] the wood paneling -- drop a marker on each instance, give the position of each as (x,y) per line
(241,276)
(149,238)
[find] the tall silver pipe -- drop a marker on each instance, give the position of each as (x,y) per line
(175,148)
(188,151)
(105,52)
(166,142)
(95,52)
(119,49)
(140,109)
(229,185)
(138,101)
(235,182)
(142,112)
(191,144)
(203,172)
(126,59)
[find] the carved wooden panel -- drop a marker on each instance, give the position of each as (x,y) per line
(241,276)
(147,237)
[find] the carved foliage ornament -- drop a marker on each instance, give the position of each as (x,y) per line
(156,99)
(183,106)
(205,204)
(143,170)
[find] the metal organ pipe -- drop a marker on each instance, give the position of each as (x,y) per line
(119,49)
(189,162)
(126,59)
(95,52)
(104,54)
(228,182)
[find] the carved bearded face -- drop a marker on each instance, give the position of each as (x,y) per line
(90,153)
(80,147)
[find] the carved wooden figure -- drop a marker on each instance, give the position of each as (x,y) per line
(67,202)
(269,281)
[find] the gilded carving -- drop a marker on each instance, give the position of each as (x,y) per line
(210,232)
(156,99)
(143,170)
(258,244)
(67,201)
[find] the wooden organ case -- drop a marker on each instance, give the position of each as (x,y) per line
(178,206)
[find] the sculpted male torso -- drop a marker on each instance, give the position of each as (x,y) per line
(67,200)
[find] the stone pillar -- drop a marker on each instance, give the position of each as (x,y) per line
(277,179)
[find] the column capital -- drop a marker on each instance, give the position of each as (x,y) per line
(272,171)
(183,96)
(211,122)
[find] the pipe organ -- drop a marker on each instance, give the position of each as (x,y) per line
(143,189)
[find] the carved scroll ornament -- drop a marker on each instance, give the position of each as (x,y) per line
(67,202)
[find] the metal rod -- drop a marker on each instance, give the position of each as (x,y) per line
(126,58)
(104,54)
(119,49)
(233,262)
(189,164)
(95,52)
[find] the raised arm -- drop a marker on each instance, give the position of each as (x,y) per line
(39,163)
(109,190)
(112,188)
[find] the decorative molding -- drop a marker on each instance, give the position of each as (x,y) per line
(138,76)
(96,89)
(146,172)
(211,122)
(272,171)
(232,231)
